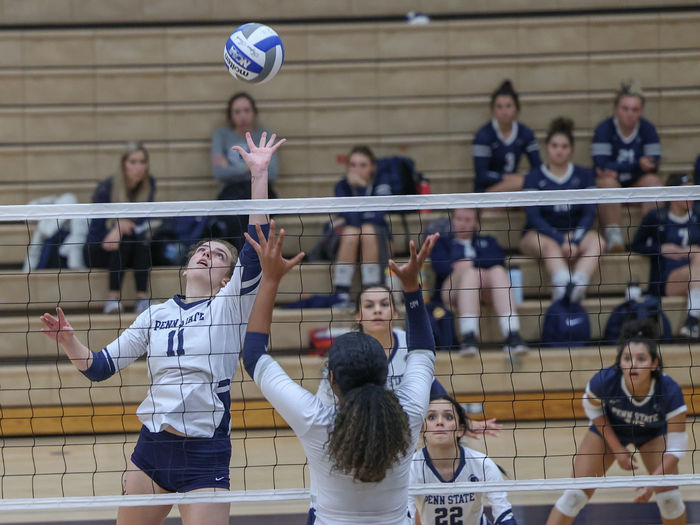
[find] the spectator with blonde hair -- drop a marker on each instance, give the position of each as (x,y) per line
(626,152)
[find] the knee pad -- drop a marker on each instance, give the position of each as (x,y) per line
(571,502)
(670,504)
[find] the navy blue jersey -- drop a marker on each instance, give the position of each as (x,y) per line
(496,155)
(483,250)
(557,220)
(611,150)
(379,185)
(660,227)
(633,420)
(696,171)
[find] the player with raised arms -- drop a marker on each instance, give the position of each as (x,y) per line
(631,403)
(192,343)
(359,451)
(444,460)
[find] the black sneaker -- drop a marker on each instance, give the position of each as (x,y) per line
(469,347)
(691,328)
(514,345)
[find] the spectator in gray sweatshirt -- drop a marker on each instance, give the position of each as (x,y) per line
(227,165)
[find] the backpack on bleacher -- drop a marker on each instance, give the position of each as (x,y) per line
(646,307)
(402,174)
(566,323)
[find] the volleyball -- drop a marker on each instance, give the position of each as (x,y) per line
(254,53)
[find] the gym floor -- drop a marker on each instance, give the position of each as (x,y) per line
(86,465)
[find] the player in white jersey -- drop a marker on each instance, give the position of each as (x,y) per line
(192,343)
(444,460)
(359,451)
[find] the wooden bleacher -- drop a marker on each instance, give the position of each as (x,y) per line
(70,98)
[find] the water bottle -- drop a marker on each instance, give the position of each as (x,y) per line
(423,188)
(516,283)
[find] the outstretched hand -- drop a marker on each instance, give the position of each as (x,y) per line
(269,251)
(57,329)
(408,273)
(257,158)
(488,427)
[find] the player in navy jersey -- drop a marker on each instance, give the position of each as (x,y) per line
(444,460)
(192,343)
(359,450)
(365,233)
(561,234)
(499,144)
(631,403)
(466,264)
(626,152)
(670,237)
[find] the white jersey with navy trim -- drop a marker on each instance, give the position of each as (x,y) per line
(462,507)
(192,354)
(338,498)
(397,368)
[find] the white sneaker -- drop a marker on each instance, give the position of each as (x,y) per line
(112,306)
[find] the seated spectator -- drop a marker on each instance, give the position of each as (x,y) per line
(561,235)
(364,234)
(467,264)
(670,237)
(117,244)
(626,152)
(499,144)
(228,166)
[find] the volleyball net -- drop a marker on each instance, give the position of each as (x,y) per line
(66,441)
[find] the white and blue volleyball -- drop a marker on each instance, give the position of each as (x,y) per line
(254,53)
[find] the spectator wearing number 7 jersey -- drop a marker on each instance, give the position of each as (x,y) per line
(670,237)
(499,144)
(192,343)
(561,234)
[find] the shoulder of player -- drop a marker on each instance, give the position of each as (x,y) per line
(525,132)
(607,125)
(485,134)
(646,125)
(470,453)
(607,377)
(667,383)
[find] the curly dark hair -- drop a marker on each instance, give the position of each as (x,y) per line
(561,126)
(371,431)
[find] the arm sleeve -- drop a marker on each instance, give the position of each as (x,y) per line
(532,150)
(419,334)
(481,153)
(646,241)
(128,347)
(441,257)
(500,506)
(587,218)
(601,148)
(296,405)
(652,145)
(675,402)
(437,389)
(325,392)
